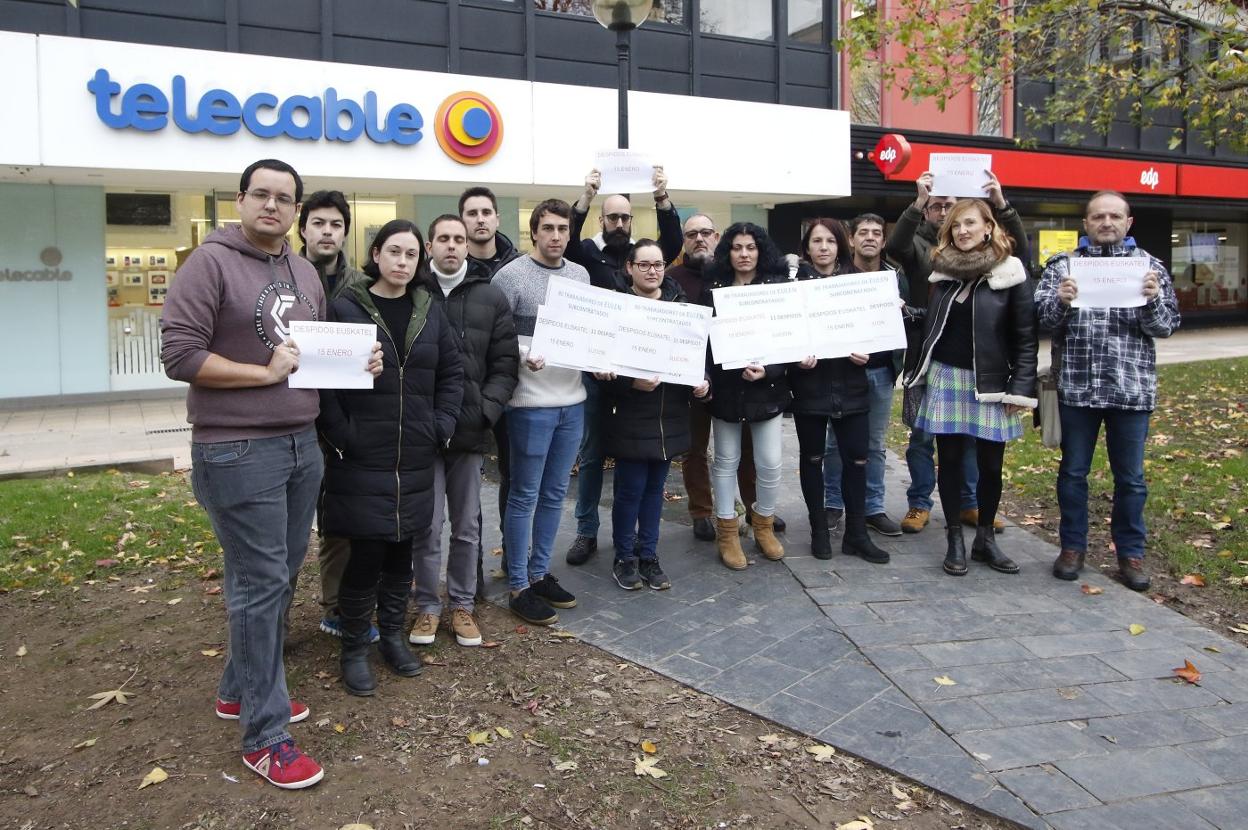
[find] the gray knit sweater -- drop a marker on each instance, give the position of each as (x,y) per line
(523,282)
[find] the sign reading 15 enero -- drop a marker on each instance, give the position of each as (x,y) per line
(468,125)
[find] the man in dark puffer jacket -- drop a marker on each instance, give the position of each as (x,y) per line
(481,319)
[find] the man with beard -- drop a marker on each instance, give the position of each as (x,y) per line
(700,239)
(324,224)
(603,257)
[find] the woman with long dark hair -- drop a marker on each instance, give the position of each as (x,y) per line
(832,392)
(751,398)
(379,475)
(978,363)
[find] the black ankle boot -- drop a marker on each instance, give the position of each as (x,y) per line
(984,549)
(355,611)
(392,593)
(820,544)
(856,542)
(955,551)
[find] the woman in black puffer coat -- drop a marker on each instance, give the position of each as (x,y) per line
(832,392)
(645,427)
(379,476)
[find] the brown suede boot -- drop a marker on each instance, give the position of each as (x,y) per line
(729,544)
(765,536)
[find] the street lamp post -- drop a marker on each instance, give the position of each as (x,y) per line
(621,17)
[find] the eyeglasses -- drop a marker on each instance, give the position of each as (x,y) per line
(705,233)
(617,218)
(941,209)
(261,197)
(648,266)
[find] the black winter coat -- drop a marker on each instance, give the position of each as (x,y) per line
(605,270)
(733,398)
(835,387)
(647,426)
(481,318)
(1003,330)
(379,472)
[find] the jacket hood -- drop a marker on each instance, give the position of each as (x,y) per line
(1087,248)
(503,246)
(1006,273)
(232,237)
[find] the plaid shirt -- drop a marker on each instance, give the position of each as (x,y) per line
(1106,355)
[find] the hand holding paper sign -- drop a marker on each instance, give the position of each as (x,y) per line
(625,171)
(959,174)
(332,355)
(1109,282)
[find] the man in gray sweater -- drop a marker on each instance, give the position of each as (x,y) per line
(545,419)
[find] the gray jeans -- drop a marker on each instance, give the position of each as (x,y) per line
(261,497)
(456,482)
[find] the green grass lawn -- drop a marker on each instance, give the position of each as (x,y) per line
(1195,463)
(75,528)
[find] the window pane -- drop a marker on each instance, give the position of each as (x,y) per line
(1208,271)
(664,11)
(806,21)
(738,18)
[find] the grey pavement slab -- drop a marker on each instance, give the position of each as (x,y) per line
(1046,789)
(1224,807)
(1022,746)
(1162,813)
(1135,773)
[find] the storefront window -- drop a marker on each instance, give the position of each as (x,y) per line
(1208,265)
(663,11)
(806,21)
(737,18)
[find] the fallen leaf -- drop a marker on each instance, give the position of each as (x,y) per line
(215,589)
(1091,590)
(522,629)
(945,680)
(356,826)
(21,651)
(340,728)
(822,752)
(174,601)
(1188,672)
(105,698)
(89,742)
(563,635)
(478,738)
(154,777)
(648,747)
(105,563)
(1196,580)
(769,740)
(491,644)
(898,793)
(1213,649)
(646,766)
(861,823)
(30,791)
(1068,693)
(565,766)
(1136,629)
(398,722)
(210,652)
(1239,629)
(140,589)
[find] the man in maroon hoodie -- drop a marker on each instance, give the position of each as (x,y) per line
(256,464)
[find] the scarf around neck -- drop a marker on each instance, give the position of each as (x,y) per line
(965,265)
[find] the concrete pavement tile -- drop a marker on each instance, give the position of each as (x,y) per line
(844,686)
(1161,813)
(880,729)
(1227,757)
(896,658)
(591,629)
(1094,642)
(825,578)
(973,652)
(1002,802)
(1150,729)
(1134,773)
(1129,696)
(782,620)
(749,683)
(1228,719)
(934,759)
(691,672)
(1045,789)
(663,638)
(1024,746)
(843,615)
(1006,604)
(796,713)
(959,715)
(1153,663)
(915,633)
(1225,807)
(1230,686)
(968,681)
(938,611)
(727,647)
(1043,706)
(1055,672)
(810,648)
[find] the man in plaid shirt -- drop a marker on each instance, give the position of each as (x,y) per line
(1106,373)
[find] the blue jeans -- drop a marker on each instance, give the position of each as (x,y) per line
(1125,433)
(881,381)
(638,506)
(921,461)
(543,449)
(589,473)
(260,496)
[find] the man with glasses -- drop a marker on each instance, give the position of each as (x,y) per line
(603,257)
(225,330)
(910,248)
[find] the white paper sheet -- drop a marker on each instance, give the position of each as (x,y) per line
(959,174)
(624,171)
(1109,282)
(332,355)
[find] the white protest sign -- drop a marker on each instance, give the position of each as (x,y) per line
(1109,282)
(959,174)
(663,339)
(783,337)
(332,355)
(576,325)
(624,171)
(854,313)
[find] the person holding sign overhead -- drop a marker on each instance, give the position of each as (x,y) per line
(1106,368)
(645,426)
(752,398)
(383,442)
(978,364)
(832,392)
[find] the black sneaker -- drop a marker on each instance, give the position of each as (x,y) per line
(882,524)
(531,608)
(548,589)
(625,572)
(704,530)
(653,574)
(582,548)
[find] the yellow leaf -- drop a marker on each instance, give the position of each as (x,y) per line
(154,777)
(861,823)
(822,752)
(945,680)
(646,766)
(174,601)
(1213,649)
(565,766)
(563,635)
(210,652)
(104,698)
(1136,629)
(898,793)
(21,651)
(769,740)
(503,732)
(1240,629)
(648,747)
(478,738)
(89,742)
(339,728)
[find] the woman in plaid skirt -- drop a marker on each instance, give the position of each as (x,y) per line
(978,364)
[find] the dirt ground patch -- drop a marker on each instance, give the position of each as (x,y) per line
(561,726)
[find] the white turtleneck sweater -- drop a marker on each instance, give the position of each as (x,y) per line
(448,281)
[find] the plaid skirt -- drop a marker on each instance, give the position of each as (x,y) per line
(950,408)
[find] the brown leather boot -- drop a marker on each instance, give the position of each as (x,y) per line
(729,544)
(765,536)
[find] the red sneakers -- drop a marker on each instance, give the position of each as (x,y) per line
(283,765)
(231,711)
